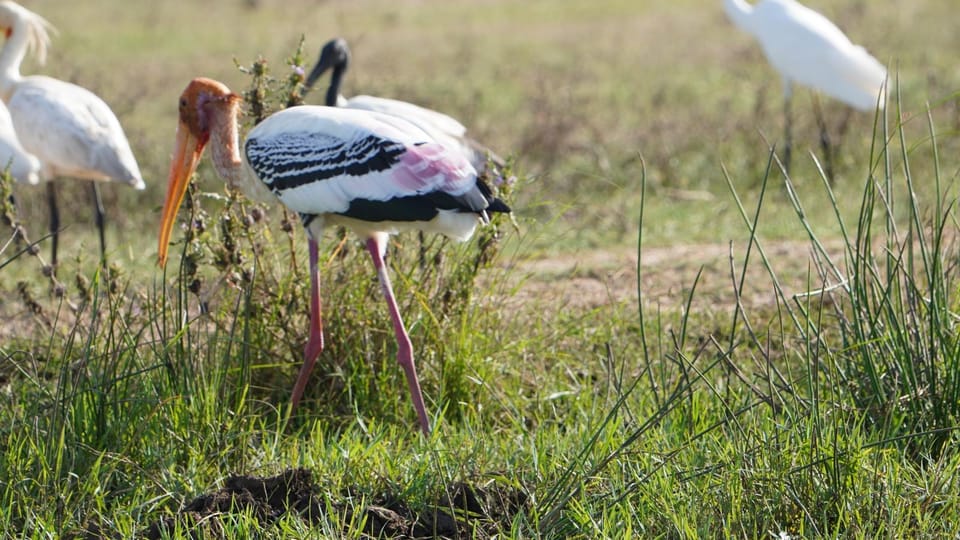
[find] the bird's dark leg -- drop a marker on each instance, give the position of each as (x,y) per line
(315,341)
(11,219)
(787,127)
(404,347)
(841,131)
(422,255)
(100,218)
(825,145)
(54,222)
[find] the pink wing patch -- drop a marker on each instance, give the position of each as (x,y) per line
(433,167)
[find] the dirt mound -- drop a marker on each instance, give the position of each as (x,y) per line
(464,511)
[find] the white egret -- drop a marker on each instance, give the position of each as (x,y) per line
(68,128)
(806,48)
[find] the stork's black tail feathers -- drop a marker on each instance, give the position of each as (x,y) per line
(496,205)
(493,204)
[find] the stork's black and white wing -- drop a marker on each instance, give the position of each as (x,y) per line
(415,113)
(442,128)
(360,164)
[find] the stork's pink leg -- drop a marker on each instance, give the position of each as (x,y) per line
(315,341)
(404,348)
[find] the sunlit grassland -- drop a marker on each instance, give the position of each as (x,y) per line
(821,415)
(578,91)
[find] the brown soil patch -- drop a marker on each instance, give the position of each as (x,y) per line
(592,279)
(463,511)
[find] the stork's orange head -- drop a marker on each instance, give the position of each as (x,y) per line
(198,103)
(201,105)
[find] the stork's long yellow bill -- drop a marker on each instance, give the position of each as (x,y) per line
(186,155)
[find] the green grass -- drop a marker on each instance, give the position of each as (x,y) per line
(827,409)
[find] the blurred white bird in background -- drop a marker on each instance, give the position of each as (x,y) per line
(69,129)
(23,166)
(806,48)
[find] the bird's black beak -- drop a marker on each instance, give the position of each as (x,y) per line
(334,55)
(317,72)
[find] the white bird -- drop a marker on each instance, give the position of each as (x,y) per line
(806,48)
(374,173)
(335,55)
(23,166)
(68,128)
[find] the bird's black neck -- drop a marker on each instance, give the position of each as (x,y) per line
(333,92)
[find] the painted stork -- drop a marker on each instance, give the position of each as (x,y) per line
(335,56)
(374,173)
(806,48)
(68,128)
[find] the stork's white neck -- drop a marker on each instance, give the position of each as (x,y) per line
(225,152)
(11,57)
(224,132)
(739,12)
